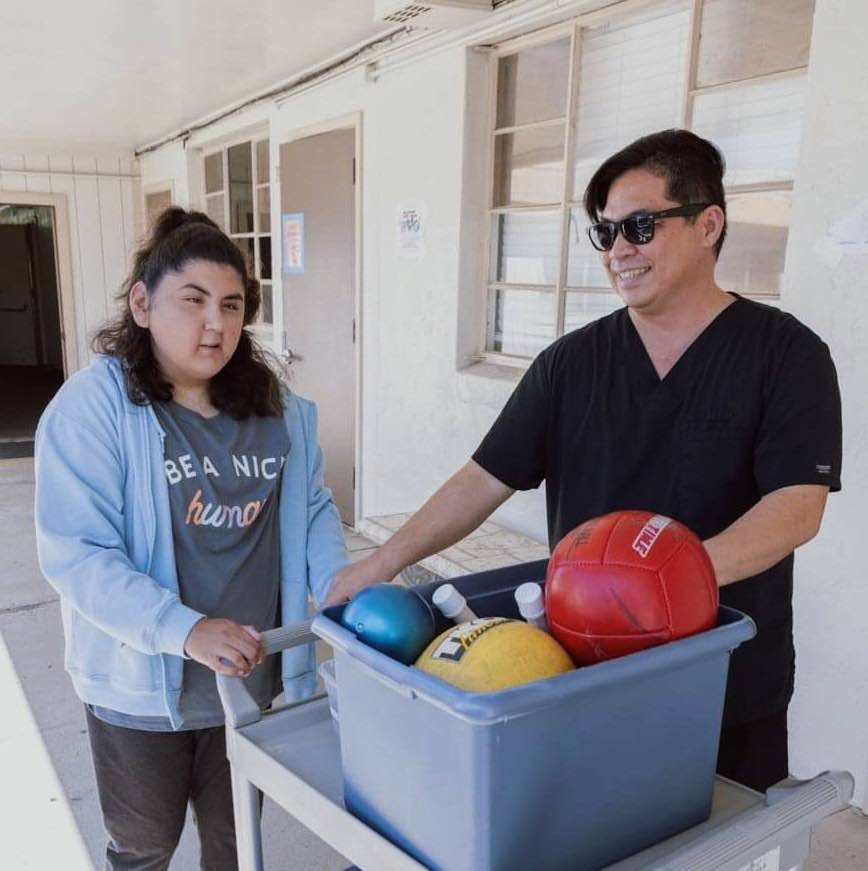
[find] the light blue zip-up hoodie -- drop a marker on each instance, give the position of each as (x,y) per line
(104,537)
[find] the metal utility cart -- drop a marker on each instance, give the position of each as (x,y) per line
(293,756)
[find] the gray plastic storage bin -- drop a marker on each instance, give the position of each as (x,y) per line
(573,772)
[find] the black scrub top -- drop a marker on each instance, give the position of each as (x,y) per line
(751,406)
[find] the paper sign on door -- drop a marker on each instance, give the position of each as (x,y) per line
(293,243)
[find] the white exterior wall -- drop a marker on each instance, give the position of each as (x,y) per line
(168,165)
(827,287)
(104,207)
(423,412)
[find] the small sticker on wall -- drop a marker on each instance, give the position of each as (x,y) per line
(411,232)
(292,237)
(770,861)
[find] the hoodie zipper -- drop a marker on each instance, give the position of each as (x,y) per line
(152,513)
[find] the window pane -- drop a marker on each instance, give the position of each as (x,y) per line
(752,259)
(582,308)
(631,82)
(214,210)
(526,247)
(584,267)
(265,257)
(524,322)
(532,84)
(266,310)
(529,167)
(240,189)
(742,38)
(262,161)
(263,198)
(245,246)
(214,172)
(757,126)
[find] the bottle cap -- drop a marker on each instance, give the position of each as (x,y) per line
(449,601)
(529,597)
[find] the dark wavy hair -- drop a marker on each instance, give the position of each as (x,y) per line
(691,166)
(246,385)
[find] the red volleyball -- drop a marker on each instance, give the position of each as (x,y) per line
(626,581)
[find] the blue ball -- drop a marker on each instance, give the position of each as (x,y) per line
(391,619)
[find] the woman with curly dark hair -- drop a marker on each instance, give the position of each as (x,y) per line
(180,511)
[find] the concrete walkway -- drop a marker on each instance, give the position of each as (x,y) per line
(48,802)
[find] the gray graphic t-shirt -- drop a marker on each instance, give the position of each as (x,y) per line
(223,478)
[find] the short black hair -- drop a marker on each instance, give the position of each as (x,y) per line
(691,166)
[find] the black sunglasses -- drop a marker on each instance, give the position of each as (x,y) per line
(638,228)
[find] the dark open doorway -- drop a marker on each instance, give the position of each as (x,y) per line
(31,351)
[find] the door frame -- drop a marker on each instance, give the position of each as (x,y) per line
(63,262)
(353,121)
(157,187)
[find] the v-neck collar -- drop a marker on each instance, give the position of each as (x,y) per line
(644,373)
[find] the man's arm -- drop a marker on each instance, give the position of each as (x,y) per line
(455,510)
(772,529)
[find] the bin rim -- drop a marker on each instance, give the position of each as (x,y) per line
(732,629)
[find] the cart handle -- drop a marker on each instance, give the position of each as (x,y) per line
(238,705)
(787,812)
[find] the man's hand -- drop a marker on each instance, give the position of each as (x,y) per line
(353,578)
(455,510)
(225,646)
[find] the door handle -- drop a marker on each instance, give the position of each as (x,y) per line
(289,357)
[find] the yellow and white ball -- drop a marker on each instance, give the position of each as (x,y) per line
(492,654)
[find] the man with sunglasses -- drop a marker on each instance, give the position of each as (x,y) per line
(691,402)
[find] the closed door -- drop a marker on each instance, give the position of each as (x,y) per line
(318,209)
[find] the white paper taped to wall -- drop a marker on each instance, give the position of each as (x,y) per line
(852,227)
(847,234)
(831,253)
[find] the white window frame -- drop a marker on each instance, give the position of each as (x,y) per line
(573,29)
(260,328)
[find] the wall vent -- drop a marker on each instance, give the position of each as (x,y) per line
(407,14)
(432,14)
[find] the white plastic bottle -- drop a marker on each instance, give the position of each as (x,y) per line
(452,604)
(531,605)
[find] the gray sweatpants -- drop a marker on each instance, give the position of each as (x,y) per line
(145,780)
